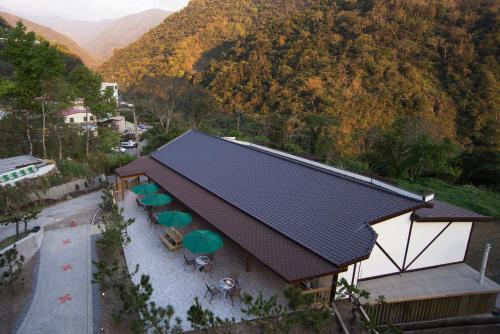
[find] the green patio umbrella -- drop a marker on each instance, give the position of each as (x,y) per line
(145,189)
(176,219)
(202,241)
(156,200)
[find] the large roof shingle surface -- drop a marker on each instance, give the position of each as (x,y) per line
(442,211)
(327,213)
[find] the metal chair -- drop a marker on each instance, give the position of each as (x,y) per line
(213,290)
(235,292)
(188,261)
(235,275)
(211,256)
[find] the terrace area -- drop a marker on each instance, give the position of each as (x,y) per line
(178,286)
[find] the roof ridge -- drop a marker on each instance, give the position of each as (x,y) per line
(334,171)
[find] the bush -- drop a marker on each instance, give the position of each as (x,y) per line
(113,161)
(72,169)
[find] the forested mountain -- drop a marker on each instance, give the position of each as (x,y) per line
(187,39)
(123,31)
(400,88)
(64,43)
(366,64)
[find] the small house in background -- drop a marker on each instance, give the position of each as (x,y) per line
(78,116)
(111,85)
(15,169)
(120,124)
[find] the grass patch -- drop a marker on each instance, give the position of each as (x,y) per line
(72,169)
(10,240)
(480,200)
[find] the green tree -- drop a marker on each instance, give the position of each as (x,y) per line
(87,86)
(35,64)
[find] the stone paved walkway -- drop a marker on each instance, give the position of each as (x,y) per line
(58,212)
(63,297)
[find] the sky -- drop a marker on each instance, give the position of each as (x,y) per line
(89,10)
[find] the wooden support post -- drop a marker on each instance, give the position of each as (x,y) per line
(333,288)
(247,263)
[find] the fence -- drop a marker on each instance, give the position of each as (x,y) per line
(321,295)
(432,308)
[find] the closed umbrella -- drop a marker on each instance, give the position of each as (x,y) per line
(176,219)
(202,241)
(156,200)
(145,189)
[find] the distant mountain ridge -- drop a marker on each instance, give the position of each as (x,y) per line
(100,38)
(187,40)
(123,31)
(64,43)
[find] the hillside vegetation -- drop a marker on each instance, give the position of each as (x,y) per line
(400,89)
(65,44)
(186,40)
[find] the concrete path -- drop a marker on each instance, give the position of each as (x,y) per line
(62,302)
(57,213)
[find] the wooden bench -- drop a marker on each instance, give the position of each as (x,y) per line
(172,239)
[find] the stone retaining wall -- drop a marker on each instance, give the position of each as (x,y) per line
(59,192)
(28,246)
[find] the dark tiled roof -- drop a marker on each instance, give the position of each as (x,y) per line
(137,167)
(12,163)
(441,211)
(290,260)
(325,212)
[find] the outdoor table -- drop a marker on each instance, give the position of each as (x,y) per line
(227,284)
(202,261)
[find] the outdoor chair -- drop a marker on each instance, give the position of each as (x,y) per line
(22,172)
(5,178)
(139,204)
(235,275)
(235,292)
(211,256)
(213,290)
(208,268)
(188,261)
(14,175)
(32,169)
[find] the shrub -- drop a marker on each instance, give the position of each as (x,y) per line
(71,169)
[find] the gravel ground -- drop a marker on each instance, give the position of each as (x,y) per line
(96,305)
(27,304)
(482,234)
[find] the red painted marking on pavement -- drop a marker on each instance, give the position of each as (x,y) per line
(67,241)
(67,267)
(66,298)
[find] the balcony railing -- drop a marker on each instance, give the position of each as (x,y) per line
(321,295)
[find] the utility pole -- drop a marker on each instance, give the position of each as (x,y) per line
(239,112)
(485,261)
(137,148)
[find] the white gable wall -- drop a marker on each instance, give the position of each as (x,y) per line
(449,247)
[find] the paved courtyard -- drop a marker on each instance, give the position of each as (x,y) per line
(178,287)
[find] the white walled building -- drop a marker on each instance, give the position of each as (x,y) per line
(113,86)
(78,116)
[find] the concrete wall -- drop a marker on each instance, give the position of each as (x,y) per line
(27,246)
(79,118)
(59,192)
(393,238)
